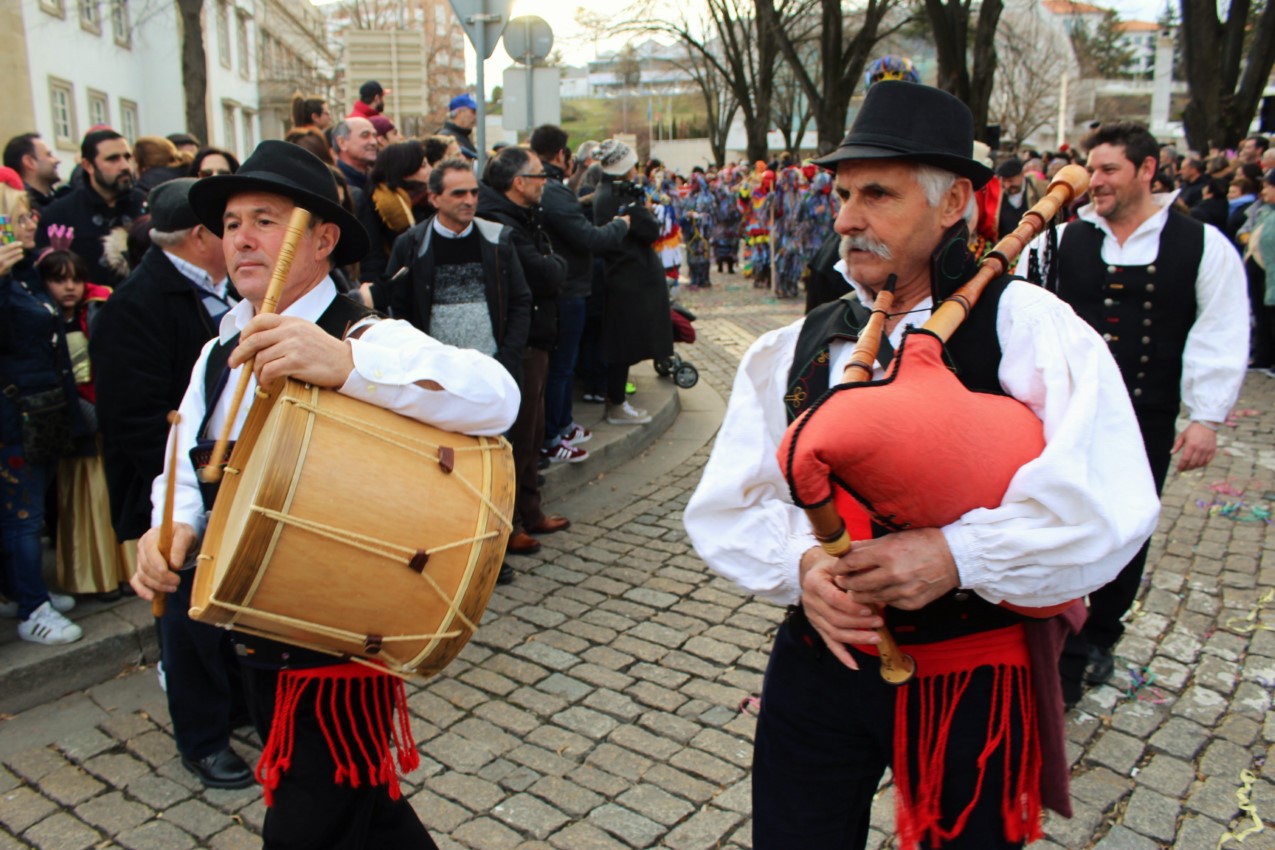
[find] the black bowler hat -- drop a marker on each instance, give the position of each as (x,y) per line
(282,168)
(909,121)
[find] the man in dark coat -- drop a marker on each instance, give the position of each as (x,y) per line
(462,114)
(107,200)
(144,345)
(512,186)
(485,279)
(29,155)
(576,238)
(637,325)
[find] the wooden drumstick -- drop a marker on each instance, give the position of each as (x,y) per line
(300,220)
(170,495)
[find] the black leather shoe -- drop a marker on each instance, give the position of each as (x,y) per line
(224,769)
(506,575)
(1101,666)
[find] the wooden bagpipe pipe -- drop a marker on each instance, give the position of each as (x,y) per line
(870,437)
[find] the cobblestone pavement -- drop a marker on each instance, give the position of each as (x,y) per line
(599,706)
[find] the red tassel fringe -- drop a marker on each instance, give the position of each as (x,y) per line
(340,691)
(944,672)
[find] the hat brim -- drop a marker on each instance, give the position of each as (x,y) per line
(208,199)
(974,171)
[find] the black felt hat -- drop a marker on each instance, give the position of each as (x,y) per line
(282,168)
(901,120)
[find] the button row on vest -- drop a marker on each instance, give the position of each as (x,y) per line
(1150,287)
(1146,323)
(1146,340)
(1146,305)
(1144,359)
(1151,269)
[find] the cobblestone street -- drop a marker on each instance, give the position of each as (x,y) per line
(604,705)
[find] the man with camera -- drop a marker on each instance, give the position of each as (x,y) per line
(575,238)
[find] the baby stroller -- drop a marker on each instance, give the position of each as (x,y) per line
(684,374)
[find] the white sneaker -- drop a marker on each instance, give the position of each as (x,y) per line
(577,434)
(61,602)
(626,414)
(8,608)
(48,627)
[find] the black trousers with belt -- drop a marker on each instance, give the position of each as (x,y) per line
(312,812)
(825,737)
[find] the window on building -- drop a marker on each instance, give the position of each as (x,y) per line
(62,99)
(54,7)
(249,131)
(223,32)
(90,16)
(99,108)
(128,120)
(441,23)
(245,57)
(228,127)
(119,23)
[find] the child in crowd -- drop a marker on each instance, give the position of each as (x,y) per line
(89,559)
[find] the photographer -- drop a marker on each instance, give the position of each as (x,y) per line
(636,324)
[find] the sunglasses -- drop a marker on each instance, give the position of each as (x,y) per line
(213,172)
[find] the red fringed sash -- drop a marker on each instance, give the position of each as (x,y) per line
(349,698)
(944,671)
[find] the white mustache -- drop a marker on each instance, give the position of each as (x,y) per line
(865,243)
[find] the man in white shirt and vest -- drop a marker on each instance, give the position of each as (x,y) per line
(325,339)
(1168,296)
(978,747)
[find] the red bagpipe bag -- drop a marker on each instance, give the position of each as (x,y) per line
(916,448)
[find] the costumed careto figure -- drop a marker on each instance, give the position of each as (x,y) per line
(698,211)
(726,223)
(975,738)
(754,205)
(320,791)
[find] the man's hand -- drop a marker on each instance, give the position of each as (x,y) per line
(289,347)
(838,616)
(1198,445)
(907,569)
(153,572)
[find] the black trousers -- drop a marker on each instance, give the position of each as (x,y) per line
(1110,602)
(205,692)
(312,812)
(825,737)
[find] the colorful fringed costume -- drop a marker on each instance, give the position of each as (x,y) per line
(697,227)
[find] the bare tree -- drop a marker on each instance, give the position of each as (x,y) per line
(792,108)
(950,28)
(194,66)
(841,59)
(1025,97)
(729,36)
(720,104)
(1227,65)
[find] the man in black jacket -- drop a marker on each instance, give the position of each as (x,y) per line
(513,185)
(462,114)
(106,200)
(459,279)
(576,238)
(145,343)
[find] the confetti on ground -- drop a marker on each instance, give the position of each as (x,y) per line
(1249,622)
(750,705)
(1244,794)
(1142,689)
(1238,511)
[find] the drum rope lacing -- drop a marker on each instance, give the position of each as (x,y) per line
(396,439)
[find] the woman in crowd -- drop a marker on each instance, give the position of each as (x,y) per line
(396,184)
(157,161)
(89,558)
(34,372)
(310,112)
(213,162)
(312,140)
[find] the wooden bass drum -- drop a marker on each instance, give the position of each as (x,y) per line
(348,529)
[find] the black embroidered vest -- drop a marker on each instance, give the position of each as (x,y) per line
(1143,312)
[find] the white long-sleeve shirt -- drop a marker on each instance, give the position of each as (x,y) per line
(1070,520)
(478,397)
(1216,353)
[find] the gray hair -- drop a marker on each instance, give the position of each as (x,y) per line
(169,238)
(341,130)
(935,183)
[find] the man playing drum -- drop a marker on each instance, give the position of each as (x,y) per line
(321,338)
(973,724)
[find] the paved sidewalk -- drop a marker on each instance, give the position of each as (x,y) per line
(599,707)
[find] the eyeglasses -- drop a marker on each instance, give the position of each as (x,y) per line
(535,175)
(213,172)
